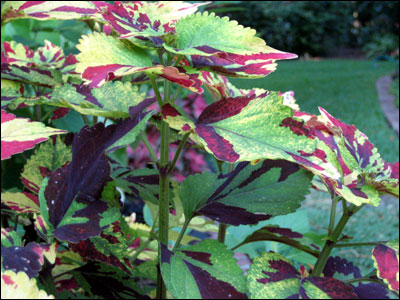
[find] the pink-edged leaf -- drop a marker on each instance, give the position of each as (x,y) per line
(272,269)
(386,257)
(21,202)
(48,10)
(41,67)
(364,175)
(20,134)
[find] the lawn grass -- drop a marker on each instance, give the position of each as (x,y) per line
(345,88)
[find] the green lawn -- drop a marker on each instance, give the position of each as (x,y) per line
(346,88)
(394,89)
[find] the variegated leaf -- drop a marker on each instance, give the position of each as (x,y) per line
(48,10)
(10,238)
(10,91)
(20,286)
(21,202)
(207,270)
(71,199)
(222,46)
(20,134)
(28,259)
(269,131)
(146,23)
(284,236)
(46,159)
(220,197)
(47,66)
(123,59)
(386,257)
(364,175)
(272,276)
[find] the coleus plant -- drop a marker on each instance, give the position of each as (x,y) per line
(64,235)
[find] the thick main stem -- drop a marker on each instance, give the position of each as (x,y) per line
(163,210)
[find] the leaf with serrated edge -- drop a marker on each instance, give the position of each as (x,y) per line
(386,262)
(20,134)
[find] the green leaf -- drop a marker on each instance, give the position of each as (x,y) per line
(202,31)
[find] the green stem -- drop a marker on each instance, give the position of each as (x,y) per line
(140,250)
(160,57)
(350,281)
(45,117)
(178,152)
(178,60)
(221,233)
(163,212)
(176,95)
(333,238)
(333,215)
(182,233)
(345,245)
(146,142)
(85,120)
(156,91)
(95,120)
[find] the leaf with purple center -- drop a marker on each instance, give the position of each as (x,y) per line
(28,259)
(273,276)
(386,258)
(218,197)
(10,91)
(208,271)
(72,194)
(21,202)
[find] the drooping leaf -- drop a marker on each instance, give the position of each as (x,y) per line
(21,202)
(20,286)
(20,134)
(364,175)
(386,257)
(206,270)
(28,259)
(338,265)
(48,10)
(220,198)
(72,194)
(284,236)
(269,131)
(46,159)
(272,276)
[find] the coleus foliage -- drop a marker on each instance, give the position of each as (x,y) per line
(74,191)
